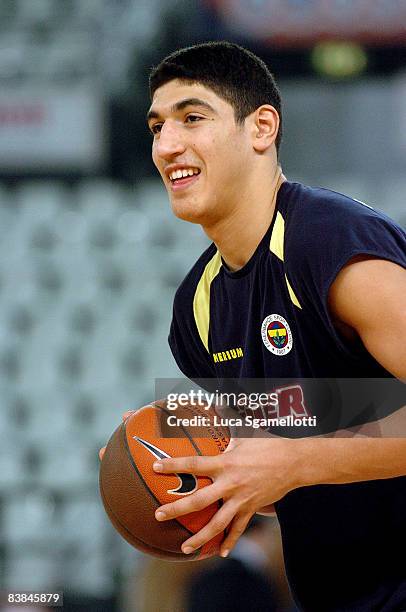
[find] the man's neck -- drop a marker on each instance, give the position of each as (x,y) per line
(238,235)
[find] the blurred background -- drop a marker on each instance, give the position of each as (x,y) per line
(91,256)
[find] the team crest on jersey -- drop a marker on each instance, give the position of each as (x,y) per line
(276,334)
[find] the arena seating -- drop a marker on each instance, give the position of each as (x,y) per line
(87,278)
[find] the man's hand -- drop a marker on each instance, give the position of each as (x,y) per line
(255,472)
(251,474)
(243,501)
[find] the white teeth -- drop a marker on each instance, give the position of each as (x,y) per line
(177,174)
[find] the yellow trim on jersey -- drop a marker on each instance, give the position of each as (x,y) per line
(277,237)
(201,301)
(276,245)
(292,294)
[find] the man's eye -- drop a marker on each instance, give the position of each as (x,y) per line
(193,118)
(156,128)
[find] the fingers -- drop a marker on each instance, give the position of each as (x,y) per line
(236,529)
(191,503)
(101,452)
(218,523)
(200,466)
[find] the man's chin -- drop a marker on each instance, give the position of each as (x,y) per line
(188,212)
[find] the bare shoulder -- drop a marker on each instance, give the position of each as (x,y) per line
(364,285)
(368,296)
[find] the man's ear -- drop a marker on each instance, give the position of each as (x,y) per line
(266,127)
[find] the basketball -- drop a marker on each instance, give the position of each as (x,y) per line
(131,491)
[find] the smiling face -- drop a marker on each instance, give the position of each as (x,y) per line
(201,153)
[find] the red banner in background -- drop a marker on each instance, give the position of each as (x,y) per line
(52,127)
(299,23)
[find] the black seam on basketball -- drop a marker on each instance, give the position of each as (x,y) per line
(182,556)
(219,501)
(124,433)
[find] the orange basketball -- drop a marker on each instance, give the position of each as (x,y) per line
(131,491)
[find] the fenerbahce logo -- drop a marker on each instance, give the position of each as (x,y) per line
(276,334)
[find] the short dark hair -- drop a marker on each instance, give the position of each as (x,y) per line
(235,74)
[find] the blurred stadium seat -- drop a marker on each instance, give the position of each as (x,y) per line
(88,276)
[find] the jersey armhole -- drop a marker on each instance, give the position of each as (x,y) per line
(324,296)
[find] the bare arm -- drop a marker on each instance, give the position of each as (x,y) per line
(366,293)
(369,297)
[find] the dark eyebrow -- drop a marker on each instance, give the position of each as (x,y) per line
(181,105)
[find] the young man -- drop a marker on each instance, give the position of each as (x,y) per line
(298,282)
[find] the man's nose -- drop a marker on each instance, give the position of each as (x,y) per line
(169,142)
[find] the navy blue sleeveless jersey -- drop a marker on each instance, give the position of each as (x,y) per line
(270,319)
